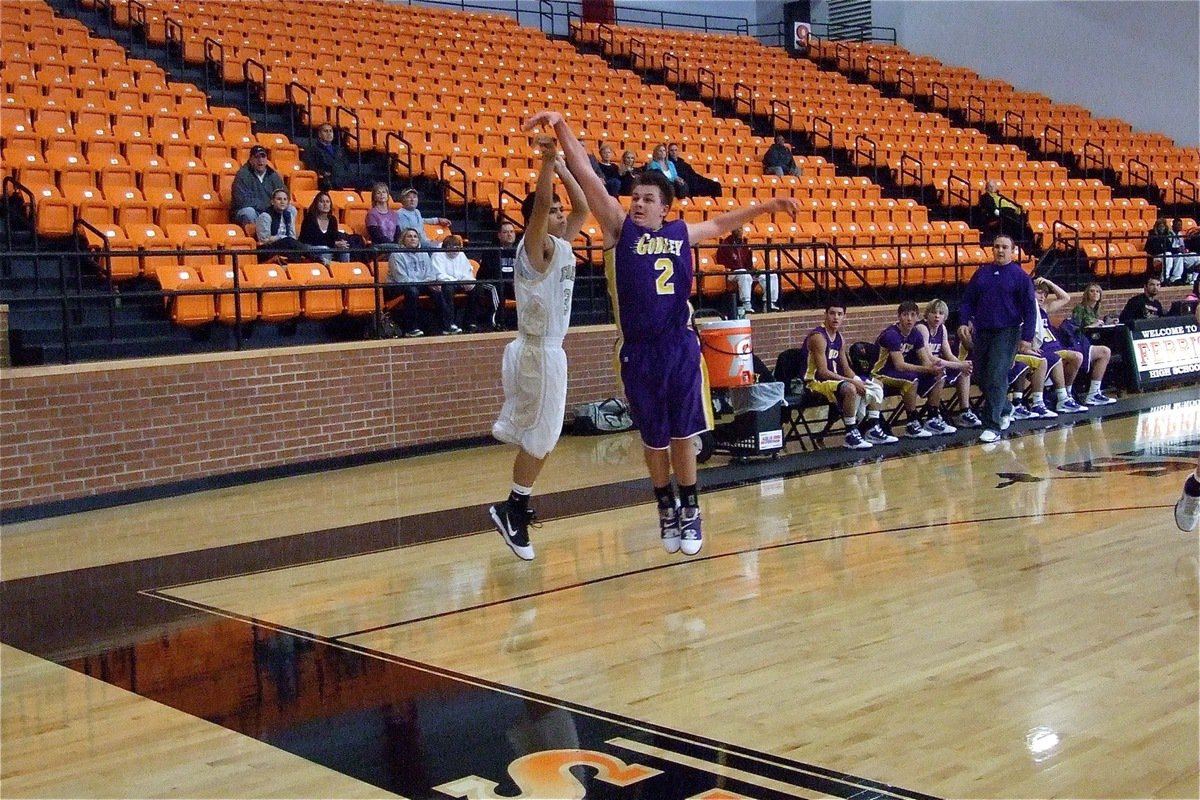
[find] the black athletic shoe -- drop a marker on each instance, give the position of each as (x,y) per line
(514,529)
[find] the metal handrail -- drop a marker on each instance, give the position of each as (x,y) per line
(710,84)
(1048,140)
(250,81)
(395,159)
(1137,169)
(11,183)
(443,166)
(910,83)
(672,64)
(870,154)
(175,36)
(1093,156)
(345,133)
(294,88)
(976,106)
(782,116)
(1013,126)
(211,45)
(824,134)
(917,174)
(935,95)
(748,98)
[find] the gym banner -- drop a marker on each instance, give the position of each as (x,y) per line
(1164,351)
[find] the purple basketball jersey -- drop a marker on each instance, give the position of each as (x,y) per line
(650,280)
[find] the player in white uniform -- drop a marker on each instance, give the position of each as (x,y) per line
(534,369)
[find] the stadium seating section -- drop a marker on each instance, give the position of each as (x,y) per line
(147,162)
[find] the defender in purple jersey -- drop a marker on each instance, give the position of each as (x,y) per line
(649,268)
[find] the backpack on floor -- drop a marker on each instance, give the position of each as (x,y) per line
(604,416)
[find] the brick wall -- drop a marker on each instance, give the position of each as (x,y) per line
(74,431)
(5,357)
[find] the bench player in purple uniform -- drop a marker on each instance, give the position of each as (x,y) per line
(1052,298)
(901,371)
(648,263)
(936,352)
(827,373)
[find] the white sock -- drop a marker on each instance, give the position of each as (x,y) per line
(1061,395)
(525,490)
(1093,388)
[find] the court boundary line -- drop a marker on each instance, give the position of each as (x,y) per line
(852,781)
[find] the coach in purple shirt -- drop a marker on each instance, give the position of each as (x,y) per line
(999,300)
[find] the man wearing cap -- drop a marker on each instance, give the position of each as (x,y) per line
(410,217)
(253,186)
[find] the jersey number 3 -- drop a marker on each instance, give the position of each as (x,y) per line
(666,271)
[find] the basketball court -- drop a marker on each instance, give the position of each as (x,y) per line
(1010,620)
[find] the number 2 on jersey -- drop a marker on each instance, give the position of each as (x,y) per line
(666,271)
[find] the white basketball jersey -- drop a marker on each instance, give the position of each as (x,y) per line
(544,299)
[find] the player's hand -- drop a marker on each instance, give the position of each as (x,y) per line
(859,387)
(548,146)
(783,205)
(542,119)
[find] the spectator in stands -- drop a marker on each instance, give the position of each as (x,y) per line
(1143,306)
(496,275)
(1087,313)
(735,255)
(698,185)
(410,217)
(778,160)
(901,370)
(629,171)
(383,222)
(1094,357)
(1179,265)
(1001,216)
(999,300)
(413,269)
(253,187)
(609,170)
(659,162)
(275,228)
(454,271)
(320,230)
(1158,245)
(329,160)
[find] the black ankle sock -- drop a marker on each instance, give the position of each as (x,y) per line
(665,496)
(518,502)
(689,496)
(1191,487)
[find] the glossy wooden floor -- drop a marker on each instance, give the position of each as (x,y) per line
(1018,620)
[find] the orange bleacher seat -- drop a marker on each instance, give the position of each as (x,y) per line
(231,307)
(191,237)
(90,204)
(198,309)
(149,237)
(121,265)
(231,236)
(316,303)
(274,306)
